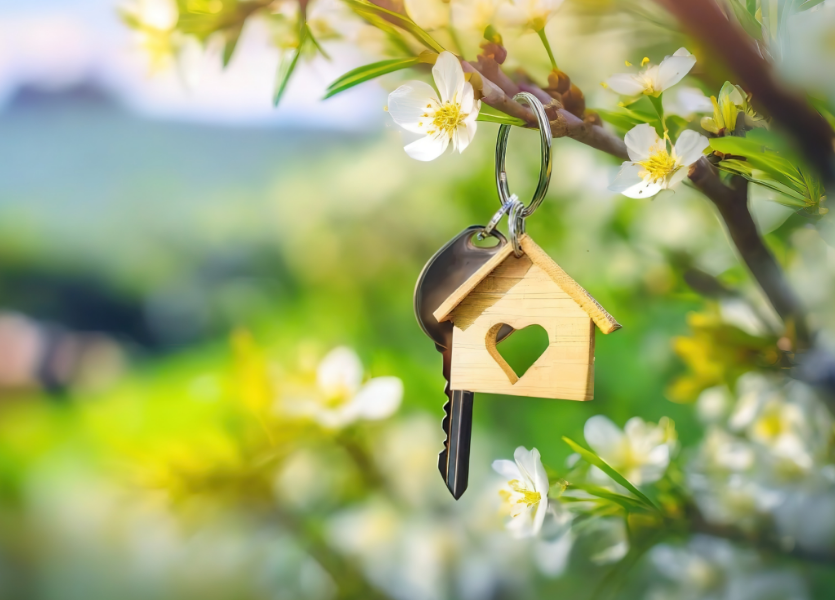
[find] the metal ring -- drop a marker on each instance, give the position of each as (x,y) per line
(488,229)
(545,163)
(516,226)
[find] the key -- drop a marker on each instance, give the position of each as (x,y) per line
(454,459)
(451,266)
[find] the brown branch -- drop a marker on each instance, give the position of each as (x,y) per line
(706,21)
(499,90)
(732,204)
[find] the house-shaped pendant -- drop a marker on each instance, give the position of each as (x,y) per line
(519,292)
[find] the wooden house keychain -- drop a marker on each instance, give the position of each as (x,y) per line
(469,298)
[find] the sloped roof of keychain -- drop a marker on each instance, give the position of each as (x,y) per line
(518,287)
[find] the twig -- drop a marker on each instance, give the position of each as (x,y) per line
(499,90)
(732,204)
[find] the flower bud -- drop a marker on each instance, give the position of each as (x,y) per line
(558,82)
(574,102)
(494,51)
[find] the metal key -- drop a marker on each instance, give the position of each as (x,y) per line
(450,267)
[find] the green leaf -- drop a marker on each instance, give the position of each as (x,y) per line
(286,68)
(658,105)
(625,120)
(629,504)
(758,155)
(376,13)
(232,37)
(500,118)
(316,43)
(368,72)
(592,458)
(750,24)
(676,124)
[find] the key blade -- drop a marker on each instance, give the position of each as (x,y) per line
(454,459)
(459,436)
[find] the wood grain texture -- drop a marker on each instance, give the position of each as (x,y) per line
(520,293)
(598,314)
(538,257)
(442,313)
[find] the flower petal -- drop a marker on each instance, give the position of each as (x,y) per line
(379,398)
(673,69)
(429,147)
(626,84)
(539,515)
(642,141)
(468,101)
(644,189)
(449,77)
(527,461)
(408,103)
(629,176)
(507,469)
(340,372)
(604,437)
(464,134)
(690,147)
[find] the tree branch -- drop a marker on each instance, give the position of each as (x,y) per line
(499,90)
(732,204)
(706,21)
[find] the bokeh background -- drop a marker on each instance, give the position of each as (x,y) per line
(167,237)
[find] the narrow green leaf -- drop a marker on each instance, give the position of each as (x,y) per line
(592,458)
(658,105)
(621,120)
(626,502)
(775,165)
(368,72)
(747,21)
(316,43)
(366,9)
(286,68)
(232,37)
(502,119)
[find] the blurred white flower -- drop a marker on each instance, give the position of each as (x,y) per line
(429,14)
(653,167)
(473,15)
(654,79)
(788,421)
(157,14)
(609,539)
(341,398)
(526,492)
(687,101)
(710,568)
(640,452)
(416,107)
(528,14)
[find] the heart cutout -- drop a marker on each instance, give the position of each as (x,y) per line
(518,352)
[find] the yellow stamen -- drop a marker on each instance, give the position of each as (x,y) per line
(529,498)
(659,165)
(627,63)
(447,117)
(645,61)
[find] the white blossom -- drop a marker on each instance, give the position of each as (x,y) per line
(528,14)
(526,492)
(474,15)
(429,14)
(340,397)
(416,107)
(652,166)
(653,79)
(640,452)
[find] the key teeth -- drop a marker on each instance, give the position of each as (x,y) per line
(443,455)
